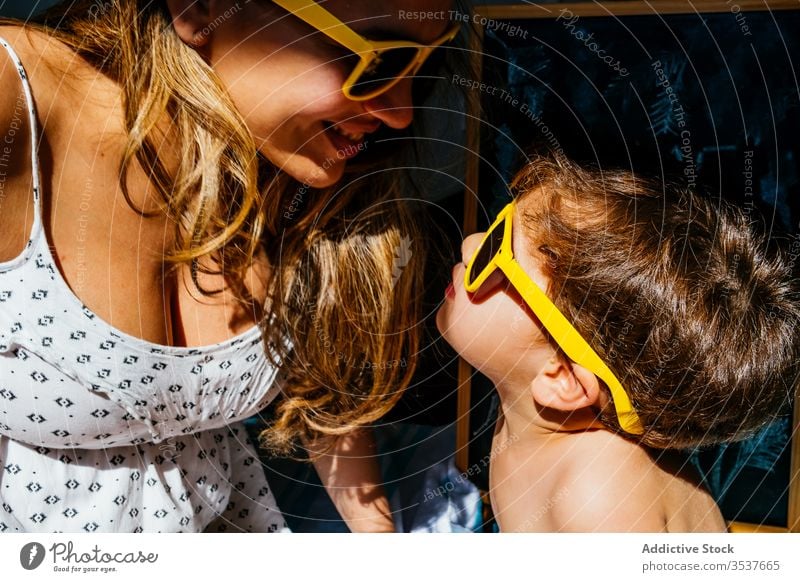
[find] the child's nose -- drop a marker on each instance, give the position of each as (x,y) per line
(470,245)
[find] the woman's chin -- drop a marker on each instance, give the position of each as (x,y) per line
(328,179)
(307,170)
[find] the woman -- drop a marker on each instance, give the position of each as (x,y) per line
(174,187)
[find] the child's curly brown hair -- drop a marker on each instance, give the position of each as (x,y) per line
(680,296)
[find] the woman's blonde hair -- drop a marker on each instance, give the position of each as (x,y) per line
(345,285)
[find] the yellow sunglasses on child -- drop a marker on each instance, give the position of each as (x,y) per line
(495,252)
(381,65)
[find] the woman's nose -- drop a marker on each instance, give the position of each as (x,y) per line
(470,245)
(394,108)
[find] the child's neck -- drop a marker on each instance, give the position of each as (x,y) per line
(524,419)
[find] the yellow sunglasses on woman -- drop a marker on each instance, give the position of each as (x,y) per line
(381,65)
(495,252)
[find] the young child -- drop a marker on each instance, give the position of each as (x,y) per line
(617,319)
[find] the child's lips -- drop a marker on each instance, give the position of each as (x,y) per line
(450,292)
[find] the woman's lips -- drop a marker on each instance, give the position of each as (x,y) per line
(346,147)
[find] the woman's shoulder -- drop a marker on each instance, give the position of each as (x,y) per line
(31,45)
(9,79)
(57,75)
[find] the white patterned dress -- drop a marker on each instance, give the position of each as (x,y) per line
(102,431)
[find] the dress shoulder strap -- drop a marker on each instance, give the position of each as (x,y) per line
(34,129)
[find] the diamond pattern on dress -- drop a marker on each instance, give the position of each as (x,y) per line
(91,426)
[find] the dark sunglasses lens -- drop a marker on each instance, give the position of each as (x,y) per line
(486,252)
(434,64)
(386,68)
(432,70)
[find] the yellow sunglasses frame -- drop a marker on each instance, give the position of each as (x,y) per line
(561,330)
(367,50)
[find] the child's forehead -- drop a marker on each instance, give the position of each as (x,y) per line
(522,233)
(527,205)
(532,201)
(548,199)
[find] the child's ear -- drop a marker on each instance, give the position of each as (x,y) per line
(564,385)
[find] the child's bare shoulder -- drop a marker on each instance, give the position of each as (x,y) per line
(608,484)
